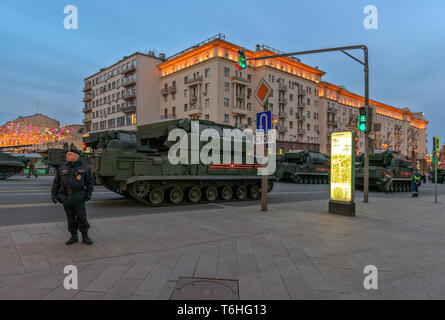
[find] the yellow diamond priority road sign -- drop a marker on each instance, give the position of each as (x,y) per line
(263,91)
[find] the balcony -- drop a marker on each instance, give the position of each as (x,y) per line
(282,86)
(301,92)
(129,109)
(301,132)
(168,116)
(87,120)
(129,96)
(239,110)
(126,70)
(87,109)
(194,111)
(282,128)
(128,82)
(300,117)
(240,80)
(332,110)
(166,90)
(282,100)
(240,95)
(282,114)
(193,80)
(88,97)
(193,99)
(332,122)
(301,104)
(241,126)
(87,87)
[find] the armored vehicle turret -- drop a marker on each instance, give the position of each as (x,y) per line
(303,167)
(396,164)
(9,165)
(147,174)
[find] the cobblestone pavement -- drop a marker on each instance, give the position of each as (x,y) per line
(294,251)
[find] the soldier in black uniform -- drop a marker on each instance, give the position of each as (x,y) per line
(72,187)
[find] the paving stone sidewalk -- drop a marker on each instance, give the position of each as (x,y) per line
(294,251)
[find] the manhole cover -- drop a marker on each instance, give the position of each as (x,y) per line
(205,289)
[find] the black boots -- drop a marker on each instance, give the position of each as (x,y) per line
(86,239)
(73,239)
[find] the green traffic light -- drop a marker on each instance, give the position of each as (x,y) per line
(362,127)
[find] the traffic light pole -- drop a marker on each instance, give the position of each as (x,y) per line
(435,176)
(368,145)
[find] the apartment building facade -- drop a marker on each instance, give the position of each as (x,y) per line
(202,83)
(111,96)
(393,128)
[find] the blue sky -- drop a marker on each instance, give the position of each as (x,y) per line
(45,63)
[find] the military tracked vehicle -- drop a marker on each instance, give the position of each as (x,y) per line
(303,167)
(55,157)
(397,165)
(9,165)
(440,176)
(147,175)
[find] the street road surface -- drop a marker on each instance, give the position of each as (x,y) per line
(26,201)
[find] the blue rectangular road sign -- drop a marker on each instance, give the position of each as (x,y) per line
(264,121)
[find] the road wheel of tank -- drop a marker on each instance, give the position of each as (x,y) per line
(176,195)
(226,193)
(241,192)
(298,179)
(211,193)
(255,192)
(139,190)
(156,196)
(194,194)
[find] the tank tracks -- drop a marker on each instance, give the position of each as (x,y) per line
(173,193)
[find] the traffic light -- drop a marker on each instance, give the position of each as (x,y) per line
(436,146)
(362,120)
(242,64)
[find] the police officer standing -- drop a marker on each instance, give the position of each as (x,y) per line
(415,182)
(72,187)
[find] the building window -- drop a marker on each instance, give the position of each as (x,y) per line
(226,86)
(249,77)
(102,125)
(226,72)
(291,124)
(226,102)
(308,127)
(95,126)
(186,107)
(249,121)
(226,118)
(308,101)
(207,117)
(207,103)
(207,87)
(249,93)
(186,92)
(207,72)
(291,111)
(111,123)
(249,106)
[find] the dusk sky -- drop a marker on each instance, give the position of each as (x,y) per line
(45,64)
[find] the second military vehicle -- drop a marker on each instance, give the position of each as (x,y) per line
(148,176)
(396,164)
(303,167)
(9,165)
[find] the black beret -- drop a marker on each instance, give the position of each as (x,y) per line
(74,150)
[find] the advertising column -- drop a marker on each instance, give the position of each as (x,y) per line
(342,174)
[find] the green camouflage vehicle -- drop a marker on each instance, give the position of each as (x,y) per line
(397,165)
(9,165)
(55,157)
(440,176)
(147,175)
(303,167)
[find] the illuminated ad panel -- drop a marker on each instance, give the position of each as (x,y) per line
(342,164)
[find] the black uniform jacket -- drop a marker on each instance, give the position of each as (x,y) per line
(73,184)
